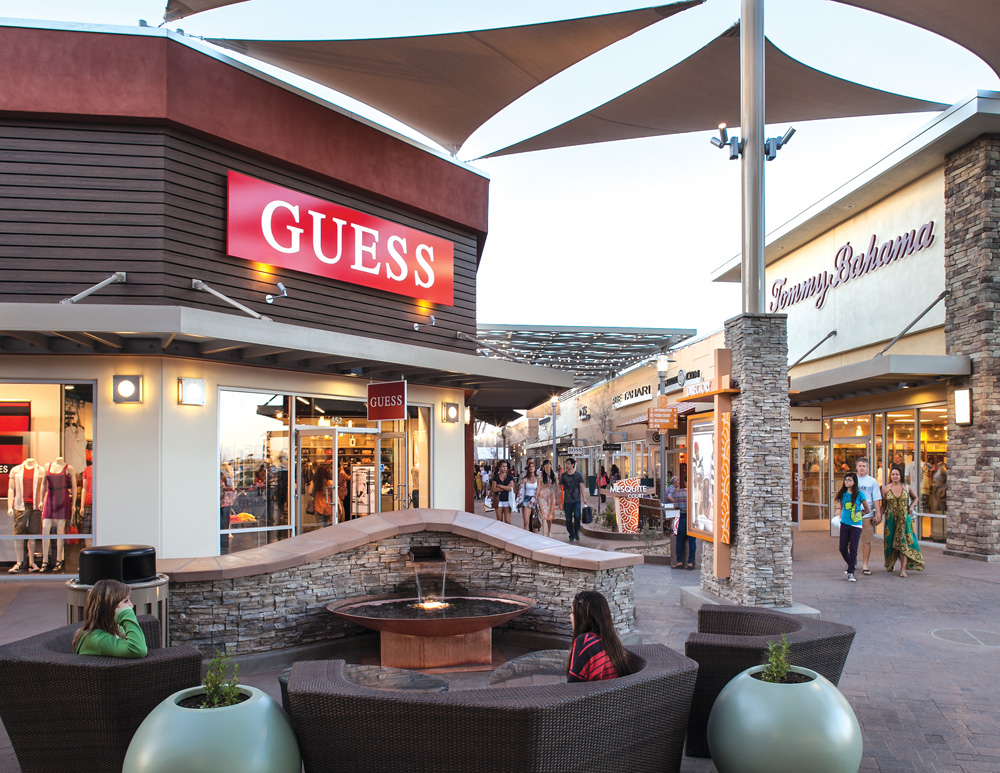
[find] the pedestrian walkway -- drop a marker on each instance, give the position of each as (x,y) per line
(921,675)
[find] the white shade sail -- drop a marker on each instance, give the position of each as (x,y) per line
(447,86)
(703,91)
(178,9)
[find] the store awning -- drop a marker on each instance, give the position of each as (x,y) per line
(179,331)
(879,374)
(683,409)
(447,86)
(704,90)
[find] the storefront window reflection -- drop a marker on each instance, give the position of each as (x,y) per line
(253,469)
(933,488)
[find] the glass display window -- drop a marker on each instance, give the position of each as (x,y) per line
(46,475)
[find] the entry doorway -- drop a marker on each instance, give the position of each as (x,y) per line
(344,460)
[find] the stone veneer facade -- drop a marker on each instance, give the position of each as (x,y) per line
(972,274)
(282,604)
(761,554)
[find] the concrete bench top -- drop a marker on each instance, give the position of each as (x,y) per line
(319,544)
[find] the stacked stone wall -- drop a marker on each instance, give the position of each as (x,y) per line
(761,556)
(972,328)
(286,608)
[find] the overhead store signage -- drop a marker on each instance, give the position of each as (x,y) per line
(387,401)
(632,396)
(848,266)
(287,229)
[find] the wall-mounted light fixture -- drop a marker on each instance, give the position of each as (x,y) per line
(272,298)
(468,415)
(963,407)
(191,391)
(432,323)
(127,389)
(449,413)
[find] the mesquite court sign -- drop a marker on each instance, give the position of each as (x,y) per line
(848,266)
(281,227)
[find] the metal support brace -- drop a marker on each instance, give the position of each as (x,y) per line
(115,278)
(944,294)
(197,284)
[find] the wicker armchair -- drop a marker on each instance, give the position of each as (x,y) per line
(64,711)
(731,639)
(634,723)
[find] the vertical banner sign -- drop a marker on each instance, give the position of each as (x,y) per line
(627,508)
(387,401)
(288,229)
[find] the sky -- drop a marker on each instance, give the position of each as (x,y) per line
(618,234)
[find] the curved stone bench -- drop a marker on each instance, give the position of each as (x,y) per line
(274,597)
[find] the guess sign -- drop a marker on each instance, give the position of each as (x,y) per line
(387,401)
(284,228)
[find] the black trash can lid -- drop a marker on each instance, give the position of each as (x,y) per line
(126,563)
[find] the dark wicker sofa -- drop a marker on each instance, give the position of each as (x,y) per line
(64,711)
(635,723)
(731,639)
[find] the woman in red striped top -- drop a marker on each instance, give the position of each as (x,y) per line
(597,652)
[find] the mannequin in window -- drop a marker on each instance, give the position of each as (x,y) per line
(23,495)
(415,485)
(58,491)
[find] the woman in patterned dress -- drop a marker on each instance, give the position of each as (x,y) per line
(546,497)
(900,539)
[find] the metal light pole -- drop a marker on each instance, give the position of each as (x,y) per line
(662,365)
(555,404)
(752,130)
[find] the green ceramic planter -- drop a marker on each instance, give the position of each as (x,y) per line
(254,736)
(759,727)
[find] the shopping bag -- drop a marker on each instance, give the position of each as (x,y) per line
(587,516)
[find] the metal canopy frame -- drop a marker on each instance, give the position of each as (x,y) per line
(590,353)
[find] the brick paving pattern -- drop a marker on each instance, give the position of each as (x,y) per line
(926,702)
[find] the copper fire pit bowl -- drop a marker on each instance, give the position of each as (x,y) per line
(398,613)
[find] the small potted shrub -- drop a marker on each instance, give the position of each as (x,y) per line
(781,718)
(217,727)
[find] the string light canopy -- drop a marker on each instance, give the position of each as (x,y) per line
(590,353)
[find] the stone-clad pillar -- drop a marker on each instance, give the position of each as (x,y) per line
(972,327)
(761,501)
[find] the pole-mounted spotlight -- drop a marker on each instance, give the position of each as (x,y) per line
(723,140)
(273,298)
(773,145)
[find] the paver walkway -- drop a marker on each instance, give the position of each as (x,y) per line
(922,675)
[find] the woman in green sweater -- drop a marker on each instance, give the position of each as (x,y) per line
(109,624)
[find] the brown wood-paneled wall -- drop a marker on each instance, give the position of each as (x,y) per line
(80,201)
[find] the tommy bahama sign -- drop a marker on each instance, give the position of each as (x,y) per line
(284,228)
(847,266)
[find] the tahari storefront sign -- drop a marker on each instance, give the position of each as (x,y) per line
(287,229)
(848,266)
(387,401)
(632,396)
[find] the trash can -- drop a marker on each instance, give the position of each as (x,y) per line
(134,565)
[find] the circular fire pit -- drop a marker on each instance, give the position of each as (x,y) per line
(455,631)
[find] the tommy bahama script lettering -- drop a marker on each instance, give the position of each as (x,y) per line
(847,266)
(284,228)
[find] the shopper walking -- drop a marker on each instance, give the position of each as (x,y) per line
(854,506)
(503,492)
(574,495)
(547,498)
(677,495)
(900,536)
(873,492)
(528,491)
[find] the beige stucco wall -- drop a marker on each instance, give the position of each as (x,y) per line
(156,464)
(874,307)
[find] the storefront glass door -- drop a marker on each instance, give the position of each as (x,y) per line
(810,471)
(351,484)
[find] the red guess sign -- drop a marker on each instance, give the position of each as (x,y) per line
(284,228)
(387,401)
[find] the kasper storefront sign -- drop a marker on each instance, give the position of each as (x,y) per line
(387,401)
(287,229)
